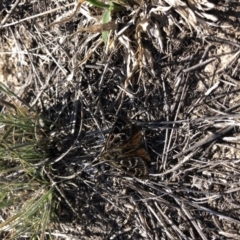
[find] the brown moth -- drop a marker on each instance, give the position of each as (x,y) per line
(125,151)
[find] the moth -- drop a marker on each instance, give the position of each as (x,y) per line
(125,151)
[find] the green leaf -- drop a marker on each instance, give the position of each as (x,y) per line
(105,19)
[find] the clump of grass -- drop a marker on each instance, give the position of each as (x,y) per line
(27,199)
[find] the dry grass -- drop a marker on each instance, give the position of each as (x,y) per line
(170,66)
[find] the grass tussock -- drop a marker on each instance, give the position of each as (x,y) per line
(27,197)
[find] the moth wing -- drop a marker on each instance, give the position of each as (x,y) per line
(133,143)
(121,131)
(134,166)
(140,152)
